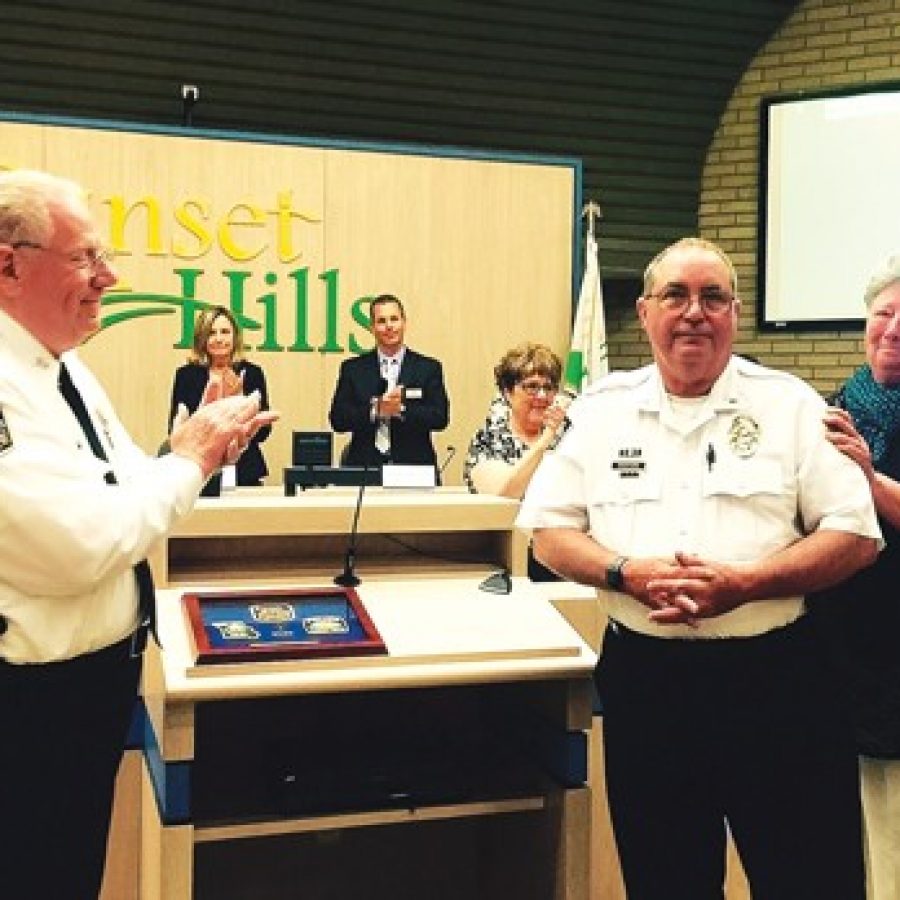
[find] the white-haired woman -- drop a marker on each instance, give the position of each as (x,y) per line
(860,619)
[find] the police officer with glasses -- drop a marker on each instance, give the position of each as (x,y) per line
(81,506)
(701,495)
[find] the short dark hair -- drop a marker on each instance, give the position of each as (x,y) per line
(382,299)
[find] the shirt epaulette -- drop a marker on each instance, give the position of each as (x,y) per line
(763,373)
(624,378)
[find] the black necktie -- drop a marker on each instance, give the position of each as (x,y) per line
(142,573)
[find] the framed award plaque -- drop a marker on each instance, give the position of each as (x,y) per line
(259,625)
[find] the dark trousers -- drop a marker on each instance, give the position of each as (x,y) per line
(746,731)
(64,729)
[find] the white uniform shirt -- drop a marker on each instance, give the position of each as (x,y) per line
(742,474)
(68,540)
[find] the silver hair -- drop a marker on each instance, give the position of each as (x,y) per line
(703,244)
(26,198)
(883,277)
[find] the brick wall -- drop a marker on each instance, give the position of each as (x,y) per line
(824,44)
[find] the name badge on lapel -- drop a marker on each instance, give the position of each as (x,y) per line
(104,424)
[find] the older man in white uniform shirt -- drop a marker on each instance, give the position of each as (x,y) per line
(80,508)
(701,493)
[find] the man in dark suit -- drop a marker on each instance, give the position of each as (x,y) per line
(390,398)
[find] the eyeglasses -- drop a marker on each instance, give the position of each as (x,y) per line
(533,388)
(677,298)
(86,258)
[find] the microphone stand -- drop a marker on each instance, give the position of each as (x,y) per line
(451,452)
(349,578)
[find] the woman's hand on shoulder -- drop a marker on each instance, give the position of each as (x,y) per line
(840,430)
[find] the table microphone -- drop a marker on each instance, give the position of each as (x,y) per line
(349,578)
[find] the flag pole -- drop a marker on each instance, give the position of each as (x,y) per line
(587,358)
(591,211)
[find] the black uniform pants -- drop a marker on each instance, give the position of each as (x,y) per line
(746,731)
(64,730)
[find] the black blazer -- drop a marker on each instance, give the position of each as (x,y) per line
(351,407)
(190,382)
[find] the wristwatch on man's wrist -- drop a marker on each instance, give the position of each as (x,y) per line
(615,577)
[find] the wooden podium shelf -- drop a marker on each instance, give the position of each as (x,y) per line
(259,535)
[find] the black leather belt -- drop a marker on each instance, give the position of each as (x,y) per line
(129,647)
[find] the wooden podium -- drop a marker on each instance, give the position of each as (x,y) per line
(456,654)
(227,743)
(254,536)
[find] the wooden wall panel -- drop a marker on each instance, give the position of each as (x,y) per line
(479,250)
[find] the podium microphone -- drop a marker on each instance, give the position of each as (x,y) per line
(451,452)
(349,578)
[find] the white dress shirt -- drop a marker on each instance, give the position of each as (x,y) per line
(737,476)
(68,540)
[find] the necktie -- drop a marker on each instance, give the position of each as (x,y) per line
(142,573)
(383,433)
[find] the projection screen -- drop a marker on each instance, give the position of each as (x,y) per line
(829,204)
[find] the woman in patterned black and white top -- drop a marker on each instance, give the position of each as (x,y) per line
(525,420)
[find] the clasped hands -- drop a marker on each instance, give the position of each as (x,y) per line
(684,589)
(554,417)
(231,383)
(390,404)
(220,430)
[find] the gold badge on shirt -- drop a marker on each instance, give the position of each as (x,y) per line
(743,436)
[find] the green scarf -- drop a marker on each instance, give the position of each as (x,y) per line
(875,409)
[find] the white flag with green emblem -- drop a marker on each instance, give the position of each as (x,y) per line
(588,356)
